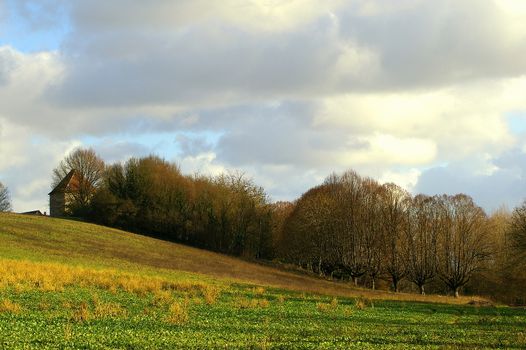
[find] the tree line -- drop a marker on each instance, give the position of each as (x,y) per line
(226,213)
(353,226)
(348,228)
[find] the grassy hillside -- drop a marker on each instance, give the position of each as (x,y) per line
(68,284)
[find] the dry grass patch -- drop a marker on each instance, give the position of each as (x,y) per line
(258,290)
(328,307)
(177,313)
(363,303)
(7,306)
(162,298)
(211,294)
(246,303)
(109,310)
(81,313)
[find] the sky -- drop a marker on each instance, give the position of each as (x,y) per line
(429,94)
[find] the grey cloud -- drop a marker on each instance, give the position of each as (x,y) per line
(118,151)
(438,42)
(111,62)
(207,64)
(277,134)
(193,145)
(8,62)
(505,185)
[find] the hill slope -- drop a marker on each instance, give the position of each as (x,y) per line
(45,239)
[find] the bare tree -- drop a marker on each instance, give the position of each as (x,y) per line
(395,203)
(421,235)
(89,168)
(349,230)
(373,233)
(517,233)
(5,199)
(462,240)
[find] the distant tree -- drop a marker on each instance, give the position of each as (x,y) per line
(373,233)
(349,215)
(421,239)
(516,235)
(5,199)
(280,212)
(395,203)
(463,244)
(90,170)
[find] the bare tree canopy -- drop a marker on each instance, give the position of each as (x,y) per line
(517,233)
(5,199)
(89,168)
(463,245)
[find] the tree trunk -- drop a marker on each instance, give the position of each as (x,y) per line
(319,267)
(374,284)
(422,290)
(395,285)
(456,292)
(355,281)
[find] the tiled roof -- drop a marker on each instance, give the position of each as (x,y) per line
(64,184)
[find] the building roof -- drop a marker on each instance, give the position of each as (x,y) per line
(68,183)
(33,212)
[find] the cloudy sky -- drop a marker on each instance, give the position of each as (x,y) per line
(430,94)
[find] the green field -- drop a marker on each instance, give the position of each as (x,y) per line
(65,284)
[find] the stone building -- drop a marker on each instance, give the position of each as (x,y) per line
(63,194)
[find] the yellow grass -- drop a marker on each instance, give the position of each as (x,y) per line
(328,307)
(245,303)
(26,275)
(109,310)
(177,313)
(81,313)
(7,306)
(362,303)
(211,293)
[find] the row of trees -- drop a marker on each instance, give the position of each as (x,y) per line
(5,199)
(349,227)
(226,213)
(353,226)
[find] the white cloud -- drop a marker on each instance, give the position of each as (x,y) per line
(407,179)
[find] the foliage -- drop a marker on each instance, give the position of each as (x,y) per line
(228,213)
(353,226)
(89,170)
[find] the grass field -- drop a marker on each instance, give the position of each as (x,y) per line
(65,284)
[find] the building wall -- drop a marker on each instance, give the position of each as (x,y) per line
(57,204)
